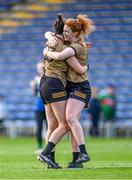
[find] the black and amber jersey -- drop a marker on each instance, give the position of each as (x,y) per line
(57,68)
(81,54)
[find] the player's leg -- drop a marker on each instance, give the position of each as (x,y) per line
(75,153)
(52,122)
(52,125)
(63,128)
(60,131)
(59,111)
(73,110)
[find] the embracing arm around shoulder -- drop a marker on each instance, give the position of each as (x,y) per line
(66,53)
(74,63)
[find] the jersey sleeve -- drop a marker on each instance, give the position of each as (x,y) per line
(76,47)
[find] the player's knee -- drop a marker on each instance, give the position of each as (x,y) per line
(51,129)
(64,127)
(70,119)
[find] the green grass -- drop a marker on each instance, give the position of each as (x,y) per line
(110,159)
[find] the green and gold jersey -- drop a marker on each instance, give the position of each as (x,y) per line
(81,54)
(57,68)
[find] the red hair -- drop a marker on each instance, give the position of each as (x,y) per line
(81,24)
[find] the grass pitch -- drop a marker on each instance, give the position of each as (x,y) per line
(110,159)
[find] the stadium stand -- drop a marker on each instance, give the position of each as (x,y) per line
(22,27)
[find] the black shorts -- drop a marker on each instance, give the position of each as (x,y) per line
(52,90)
(79,91)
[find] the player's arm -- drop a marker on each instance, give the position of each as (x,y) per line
(66,53)
(48,35)
(74,63)
(52,40)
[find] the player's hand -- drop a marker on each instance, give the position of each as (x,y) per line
(52,41)
(85,68)
(45,51)
(89,45)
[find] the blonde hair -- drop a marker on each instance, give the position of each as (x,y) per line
(82,24)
